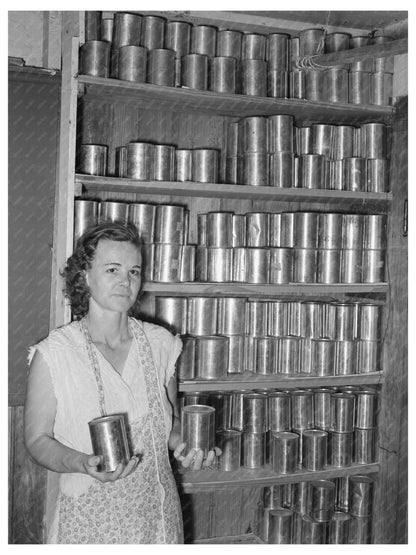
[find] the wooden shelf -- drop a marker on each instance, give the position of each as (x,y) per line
(250,380)
(210,480)
(175,99)
(243,538)
(259,290)
(351,199)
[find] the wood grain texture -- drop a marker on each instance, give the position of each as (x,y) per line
(27,487)
(390,519)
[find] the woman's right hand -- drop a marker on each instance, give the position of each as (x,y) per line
(92,461)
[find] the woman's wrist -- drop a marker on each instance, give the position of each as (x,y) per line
(174,440)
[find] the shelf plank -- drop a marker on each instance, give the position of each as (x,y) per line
(259,290)
(224,190)
(250,380)
(192,481)
(244,538)
(180,99)
(392,48)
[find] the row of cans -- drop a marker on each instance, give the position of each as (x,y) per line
(304,230)
(216,356)
(340,410)
(251,77)
(308,513)
(308,171)
(162,223)
(342,321)
(279,49)
(262,265)
(278,133)
(151,162)
(223,74)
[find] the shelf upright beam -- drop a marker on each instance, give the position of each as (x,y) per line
(64,195)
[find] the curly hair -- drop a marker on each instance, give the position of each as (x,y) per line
(76,288)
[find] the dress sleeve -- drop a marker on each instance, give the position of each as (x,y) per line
(166,349)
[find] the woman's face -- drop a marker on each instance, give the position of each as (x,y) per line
(114,277)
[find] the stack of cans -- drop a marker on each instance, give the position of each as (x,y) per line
(149,48)
(271,151)
(316,512)
(312,429)
(163,229)
(298,247)
(279,337)
(155,162)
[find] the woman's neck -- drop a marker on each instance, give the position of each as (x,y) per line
(109,328)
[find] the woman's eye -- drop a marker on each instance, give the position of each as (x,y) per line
(135,273)
(111,270)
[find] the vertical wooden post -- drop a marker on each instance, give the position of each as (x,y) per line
(64,196)
(390,507)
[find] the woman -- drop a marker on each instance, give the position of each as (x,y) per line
(107,362)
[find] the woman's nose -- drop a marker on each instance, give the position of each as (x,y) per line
(125,279)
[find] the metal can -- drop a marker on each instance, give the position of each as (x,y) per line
(169,224)
(342,413)
(279,412)
(186,361)
(277,51)
(86,215)
(281,265)
(109,441)
(161,67)
(229,441)
(297,83)
(277,83)
(253,77)
(381,88)
(340,449)
(305,265)
(164,163)
(140,161)
(334,42)
(236,351)
(229,43)
(211,357)
(285,454)
(373,140)
(366,410)
(195,71)
(254,449)
(288,360)
(368,358)
(329,266)
(359,87)
(223,75)
(280,527)
(198,428)
(315,85)
(365,446)
(254,413)
(254,131)
(167,263)
(374,261)
(113,212)
(205,165)
(311,171)
(377,175)
(172,311)
(321,500)
(203,40)
(314,449)
(95,58)
(231,315)
(361,496)
(336,80)
(183,164)
(339,527)
(257,229)
(282,169)
(92,159)
(346,357)
(302,410)
(132,62)
(311,42)
(322,408)
(257,269)
(313,531)
(202,315)
(253,46)
(178,37)
(360,530)
(153,32)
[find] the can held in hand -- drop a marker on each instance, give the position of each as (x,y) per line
(198,428)
(109,441)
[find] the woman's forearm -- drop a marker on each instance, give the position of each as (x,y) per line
(175,434)
(53,455)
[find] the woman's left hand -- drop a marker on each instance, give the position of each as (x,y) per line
(195,458)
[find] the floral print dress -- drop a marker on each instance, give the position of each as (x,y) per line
(144,507)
